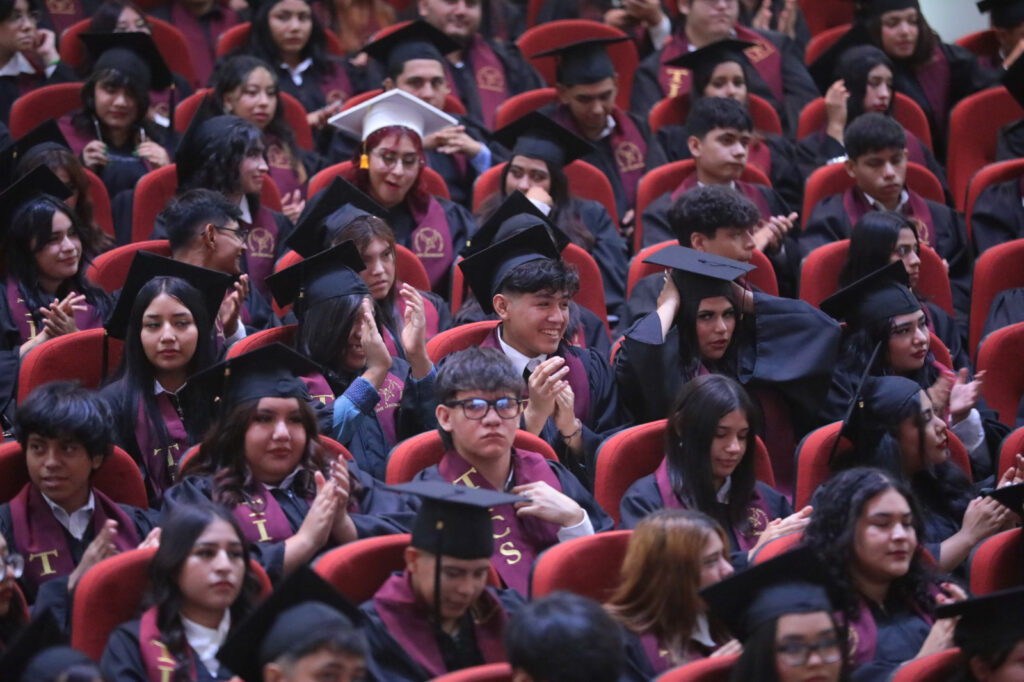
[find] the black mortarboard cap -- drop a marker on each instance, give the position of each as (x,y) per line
(134,54)
(515,214)
(416,40)
(47,132)
(583,62)
(329,274)
(879,295)
(1013,79)
(1011,497)
(991,622)
(327,212)
(539,137)
(455,520)
(302,610)
(713,54)
(823,69)
(486,269)
(1004,13)
(270,371)
(793,582)
(700,263)
(40,635)
(879,400)
(40,180)
(876,8)
(211,285)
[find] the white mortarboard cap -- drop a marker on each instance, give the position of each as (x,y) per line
(394,107)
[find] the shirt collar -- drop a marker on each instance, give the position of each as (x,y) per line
(77,521)
(300,68)
(287,482)
(158,389)
(732,184)
(206,642)
(519,361)
(243,206)
(609,127)
(723,492)
(702,632)
(904,197)
(17,65)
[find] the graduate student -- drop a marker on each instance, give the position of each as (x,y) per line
(990,637)
(388,166)
(482,72)
(439,615)
(13,610)
(58,522)
(304,631)
(413,60)
(571,390)
(622,145)
(28,54)
(720,131)
(200,585)
(262,459)
(166,316)
(369,400)
(779,74)
(877,161)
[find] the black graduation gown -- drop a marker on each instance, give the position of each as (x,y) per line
(998,215)
(901,632)
(122,660)
(388,661)
(786,345)
(1010,141)
(797,85)
(829,222)
(520,76)
(461,226)
(786,178)
(460,184)
(609,249)
(381,512)
(11,86)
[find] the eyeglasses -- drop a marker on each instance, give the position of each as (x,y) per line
(798,653)
(390,159)
(31,16)
(241,232)
(477,408)
(905,250)
(13,565)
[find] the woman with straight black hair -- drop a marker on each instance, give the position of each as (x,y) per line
(157,415)
(709,466)
(200,585)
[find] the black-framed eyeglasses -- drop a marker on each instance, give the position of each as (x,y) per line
(241,232)
(12,565)
(798,653)
(477,408)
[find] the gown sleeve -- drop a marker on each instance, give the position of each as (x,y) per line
(122,660)
(646,89)
(655,221)
(574,489)
(997,216)
(828,223)
(640,499)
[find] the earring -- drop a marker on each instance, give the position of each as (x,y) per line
(364,162)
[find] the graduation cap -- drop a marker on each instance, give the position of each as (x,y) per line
(37,182)
(23,659)
(988,623)
(211,284)
(416,40)
(794,582)
(301,611)
(879,295)
(713,54)
(394,107)
(327,213)
(514,215)
(329,274)
(876,8)
(539,137)
(1011,497)
(583,62)
(1004,13)
(877,402)
(487,269)
(134,54)
(1013,79)
(823,69)
(270,371)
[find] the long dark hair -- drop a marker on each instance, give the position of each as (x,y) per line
(232,73)
(565,212)
(181,529)
(28,233)
(872,243)
(927,38)
(686,322)
(838,505)
(223,156)
(758,660)
(262,45)
(104,19)
(85,120)
(362,231)
(692,423)
(854,67)
(137,371)
(323,332)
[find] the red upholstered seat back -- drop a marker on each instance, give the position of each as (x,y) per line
(974,124)
(763,277)
(997,269)
(517,106)
(905,110)
(997,563)
(673,111)
(294,115)
(991,174)
(559,567)
(715,669)
(492,672)
(48,101)
(284,334)
(110,269)
(933,668)
(77,356)
(1001,354)
(424,450)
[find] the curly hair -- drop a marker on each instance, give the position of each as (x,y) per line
(219,171)
(708,208)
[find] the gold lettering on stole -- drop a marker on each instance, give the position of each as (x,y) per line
(31,322)
(507,549)
(259,519)
(675,82)
(45,558)
(165,662)
(464,479)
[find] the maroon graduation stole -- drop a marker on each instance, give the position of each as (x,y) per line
(64,13)
(489,75)
(747,189)
(281,167)
(759,514)
(159,662)
(433,320)
(431,240)
(386,409)
(318,388)
(202,42)
(915,153)
(519,540)
(161,458)
(260,248)
(39,537)
(764,57)
(408,622)
(657,656)
(916,208)
(335,85)
(577,377)
(628,147)
(933,77)
(261,517)
(22,316)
